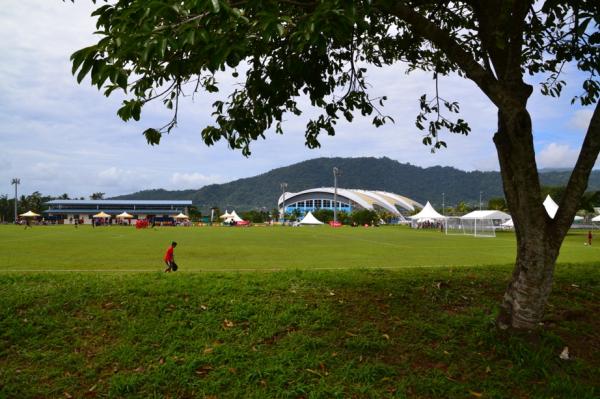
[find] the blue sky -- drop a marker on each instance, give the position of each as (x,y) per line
(58,136)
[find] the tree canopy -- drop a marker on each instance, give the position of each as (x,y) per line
(164,49)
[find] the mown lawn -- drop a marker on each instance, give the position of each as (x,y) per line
(221,248)
(416,332)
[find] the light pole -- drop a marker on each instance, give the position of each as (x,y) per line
(16,181)
(443,204)
(336,173)
(480,193)
(283,188)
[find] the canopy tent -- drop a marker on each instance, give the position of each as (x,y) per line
(102,214)
(124,215)
(226,215)
(427,213)
(487,214)
(309,219)
(551,206)
(508,223)
(181,216)
(29,214)
(596,218)
(578,218)
(234,216)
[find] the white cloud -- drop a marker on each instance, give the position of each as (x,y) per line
(117,179)
(581,119)
(193,180)
(557,156)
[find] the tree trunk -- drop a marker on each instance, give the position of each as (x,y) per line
(538,242)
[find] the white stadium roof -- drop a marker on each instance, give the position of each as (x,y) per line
(366,199)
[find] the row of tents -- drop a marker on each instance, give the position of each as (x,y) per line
(430,214)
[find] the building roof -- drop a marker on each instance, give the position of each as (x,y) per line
(113,211)
(365,198)
(119,202)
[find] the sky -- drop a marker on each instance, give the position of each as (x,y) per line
(58,136)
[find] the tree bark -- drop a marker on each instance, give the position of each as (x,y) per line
(539,237)
(537,247)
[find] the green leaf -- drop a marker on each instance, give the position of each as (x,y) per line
(216,5)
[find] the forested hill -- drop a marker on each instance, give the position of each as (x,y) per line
(420,184)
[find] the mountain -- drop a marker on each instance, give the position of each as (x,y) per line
(420,184)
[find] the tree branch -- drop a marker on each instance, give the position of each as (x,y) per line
(579,177)
(454,51)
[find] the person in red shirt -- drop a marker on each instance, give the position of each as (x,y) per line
(590,237)
(170,258)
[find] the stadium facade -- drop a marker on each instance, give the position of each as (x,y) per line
(67,211)
(348,200)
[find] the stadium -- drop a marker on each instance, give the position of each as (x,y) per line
(348,200)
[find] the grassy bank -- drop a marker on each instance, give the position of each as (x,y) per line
(421,333)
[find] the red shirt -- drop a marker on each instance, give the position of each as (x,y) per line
(169,254)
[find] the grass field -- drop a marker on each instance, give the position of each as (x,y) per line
(221,248)
(379,326)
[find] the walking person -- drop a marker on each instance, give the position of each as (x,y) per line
(590,237)
(170,258)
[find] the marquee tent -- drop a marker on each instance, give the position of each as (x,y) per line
(182,216)
(427,213)
(234,216)
(226,215)
(551,206)
(101,215)
(124,215)
(509,223)
(309,219)
(29,214)
(596,219)
(488,214)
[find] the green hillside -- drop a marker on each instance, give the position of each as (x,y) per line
(420,184)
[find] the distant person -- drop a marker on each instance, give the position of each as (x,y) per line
(27,223)
(76,223)
(154,224)
(590,237)
(170,258)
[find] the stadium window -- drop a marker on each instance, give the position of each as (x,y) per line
(318,203)
(326,204)
(309,204)
(301,204)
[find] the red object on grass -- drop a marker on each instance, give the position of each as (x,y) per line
(335,224)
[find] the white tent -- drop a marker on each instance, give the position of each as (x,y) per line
(124,215)
(596,219)
(508,223)
(427,213)
(488,214)
(225,216)
(309,219)
(551,206)
(102,214)
(29,214)
(181,216)
(234,216)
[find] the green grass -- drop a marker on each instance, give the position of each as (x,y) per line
(361,331)
(221,248)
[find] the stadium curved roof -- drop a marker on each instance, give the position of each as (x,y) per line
(366,199)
